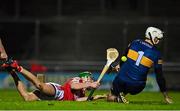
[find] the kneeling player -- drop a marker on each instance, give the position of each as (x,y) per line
(73,90)
(141,56)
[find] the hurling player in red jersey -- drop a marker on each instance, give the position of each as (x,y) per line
(73,89)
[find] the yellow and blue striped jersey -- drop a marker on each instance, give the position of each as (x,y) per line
(141,56)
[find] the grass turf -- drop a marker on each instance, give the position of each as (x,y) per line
(10,99)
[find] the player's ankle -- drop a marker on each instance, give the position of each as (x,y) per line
(20,69)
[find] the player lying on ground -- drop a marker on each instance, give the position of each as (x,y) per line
(73,90)
(141,56)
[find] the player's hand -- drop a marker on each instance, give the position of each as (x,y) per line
(95,84)
(113,69)
(116,68)
(168,100)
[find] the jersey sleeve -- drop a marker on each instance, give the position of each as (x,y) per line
(118,61)
(124,54)
(159,74)
(158,62)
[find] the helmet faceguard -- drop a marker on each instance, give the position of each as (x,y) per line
(154,34)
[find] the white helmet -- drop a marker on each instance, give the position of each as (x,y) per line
(152,33)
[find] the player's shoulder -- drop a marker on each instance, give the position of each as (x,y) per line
(136,41)
(156,52)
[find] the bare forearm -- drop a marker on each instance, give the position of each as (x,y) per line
(94,98)
(80,85)
(81,99)
(77,86)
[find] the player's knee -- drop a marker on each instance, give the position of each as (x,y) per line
(27,97)
(40,86)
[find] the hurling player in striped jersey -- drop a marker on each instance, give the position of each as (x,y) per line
(140,55)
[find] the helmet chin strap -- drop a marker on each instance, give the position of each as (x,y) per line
(151,38)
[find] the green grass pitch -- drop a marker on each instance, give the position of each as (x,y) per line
(10,99)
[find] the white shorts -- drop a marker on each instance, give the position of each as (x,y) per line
(59,94)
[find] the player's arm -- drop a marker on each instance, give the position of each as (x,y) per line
(94,98)
(3,54)
(81,99)
(122,60)
(162,83)
(115,66)
(77,86)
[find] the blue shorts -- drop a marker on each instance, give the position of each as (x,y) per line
(119,85)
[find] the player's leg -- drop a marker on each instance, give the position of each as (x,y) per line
(135,88)
(117,86)
(43,87)
(27,96)
(117,91)
(123,98)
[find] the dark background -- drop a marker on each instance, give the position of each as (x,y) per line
(81,30)
(74,34)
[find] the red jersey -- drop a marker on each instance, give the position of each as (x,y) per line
(70,94)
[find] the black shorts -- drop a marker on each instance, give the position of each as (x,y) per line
(126,87)
(43,96)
